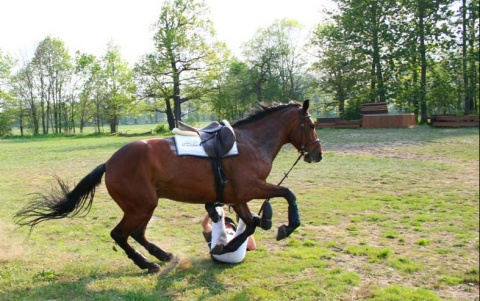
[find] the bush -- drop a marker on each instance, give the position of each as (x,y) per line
(161,128)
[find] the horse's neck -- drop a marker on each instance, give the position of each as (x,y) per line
(267,134)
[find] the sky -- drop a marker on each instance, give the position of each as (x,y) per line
(89,25)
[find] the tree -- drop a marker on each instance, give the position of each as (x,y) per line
(6,65)
(236,94)
(6,97)
(441,90)
(274,56)
(27,101)
(89,73)
(118,84)
(427,21)
(182,42)
(469,12)
(52,67)
(368,26)
(337,64)
(42,88)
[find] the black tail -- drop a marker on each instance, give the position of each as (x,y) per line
(62,202)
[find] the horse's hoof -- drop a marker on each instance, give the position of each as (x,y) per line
(266,224)
(282,232)
(217,250)
(167,257)
(153,268)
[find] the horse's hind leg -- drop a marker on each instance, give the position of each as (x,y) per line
(120,234)
(139,236)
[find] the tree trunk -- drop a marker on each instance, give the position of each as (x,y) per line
(42,107)
(377,67)
(416,106)
(177,107)
(98,113)
(170,116)
(423,66)
(113,124)
(373,80)
(466,88)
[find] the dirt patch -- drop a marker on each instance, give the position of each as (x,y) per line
(11,243)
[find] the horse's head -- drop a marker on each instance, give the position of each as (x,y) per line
(306,140)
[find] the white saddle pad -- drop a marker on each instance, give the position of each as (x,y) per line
(190,146)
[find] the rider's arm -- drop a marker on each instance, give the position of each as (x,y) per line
(206,224)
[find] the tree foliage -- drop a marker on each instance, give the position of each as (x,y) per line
(339,66)
(6,107)
(275,58)
(418,56)
(55,93)
(183,53)
(410,51)
(118,84)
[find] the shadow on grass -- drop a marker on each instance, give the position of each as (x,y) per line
(197,277)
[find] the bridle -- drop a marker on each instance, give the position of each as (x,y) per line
(303,132)
(303,150)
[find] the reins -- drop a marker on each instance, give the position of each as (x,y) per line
(281,181)
(302,153)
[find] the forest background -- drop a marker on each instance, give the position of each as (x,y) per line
(418,56)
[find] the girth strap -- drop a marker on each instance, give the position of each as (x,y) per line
(217,140)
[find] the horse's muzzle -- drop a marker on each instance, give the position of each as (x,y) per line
(313,157)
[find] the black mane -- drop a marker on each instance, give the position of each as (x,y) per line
(265,111)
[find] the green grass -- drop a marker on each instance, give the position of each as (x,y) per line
(390,214)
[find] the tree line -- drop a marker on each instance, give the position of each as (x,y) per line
(419,56)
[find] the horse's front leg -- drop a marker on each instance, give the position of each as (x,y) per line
(244,213)
(293,215)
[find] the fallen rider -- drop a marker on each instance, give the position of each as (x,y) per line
(224,230)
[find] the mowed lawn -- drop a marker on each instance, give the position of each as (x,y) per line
(390,214)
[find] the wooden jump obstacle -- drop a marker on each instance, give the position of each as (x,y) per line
(337,123)
(374,108)
(388,121)
(374,115)
(454,121)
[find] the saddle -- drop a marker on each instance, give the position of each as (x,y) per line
(217,139)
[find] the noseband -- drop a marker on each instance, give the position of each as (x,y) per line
(303,131)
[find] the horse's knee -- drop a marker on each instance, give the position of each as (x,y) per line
(117,236)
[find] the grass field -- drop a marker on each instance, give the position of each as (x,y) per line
(389,214)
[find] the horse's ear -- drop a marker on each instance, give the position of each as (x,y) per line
(306,104)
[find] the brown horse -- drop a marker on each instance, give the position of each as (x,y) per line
(141,172)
